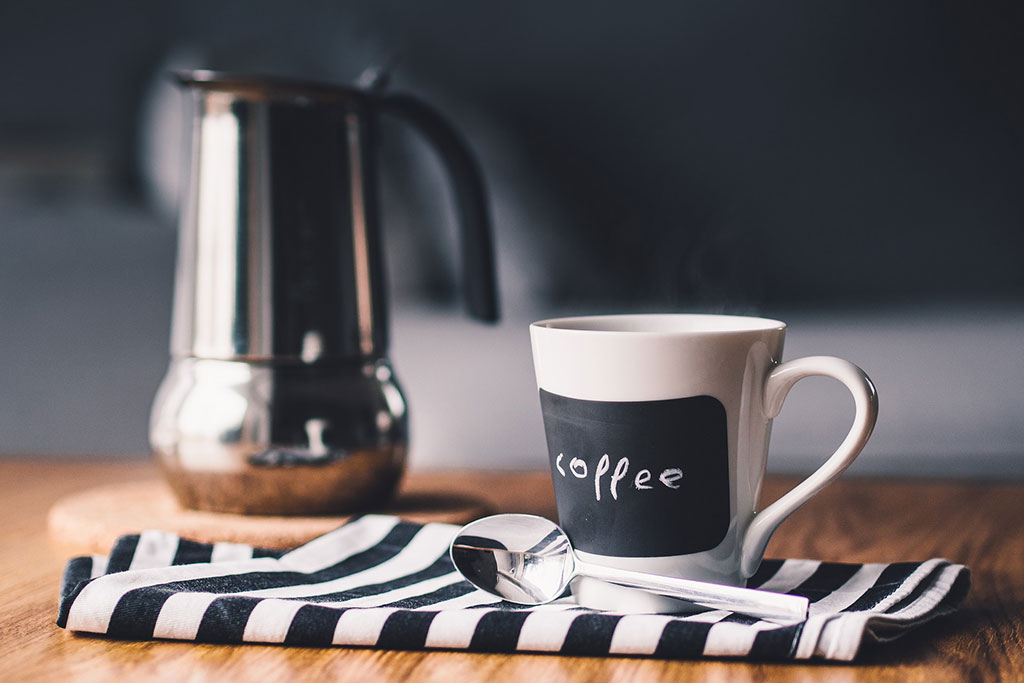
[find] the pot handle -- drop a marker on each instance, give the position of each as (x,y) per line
(478,273)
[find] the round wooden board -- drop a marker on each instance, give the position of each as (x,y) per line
(90,521)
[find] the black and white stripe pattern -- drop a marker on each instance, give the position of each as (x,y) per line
(382,582)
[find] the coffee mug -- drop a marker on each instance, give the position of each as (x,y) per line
(657,429)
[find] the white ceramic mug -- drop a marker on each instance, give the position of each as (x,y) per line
(657,429)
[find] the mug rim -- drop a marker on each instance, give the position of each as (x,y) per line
(659,324)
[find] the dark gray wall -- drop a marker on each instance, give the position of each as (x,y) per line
(698,155)
(746,152)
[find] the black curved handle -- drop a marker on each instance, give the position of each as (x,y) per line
(479,286)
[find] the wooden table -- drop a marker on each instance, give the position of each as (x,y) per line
(981,525)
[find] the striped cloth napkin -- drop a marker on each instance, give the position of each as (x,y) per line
(382,582)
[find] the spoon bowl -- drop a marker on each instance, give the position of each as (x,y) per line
(522,558)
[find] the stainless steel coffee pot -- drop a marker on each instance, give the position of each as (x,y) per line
(280,398)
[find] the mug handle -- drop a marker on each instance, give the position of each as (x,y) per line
(777,386)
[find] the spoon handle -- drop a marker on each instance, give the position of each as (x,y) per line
(755,603)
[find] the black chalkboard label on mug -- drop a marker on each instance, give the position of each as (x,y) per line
(639,478)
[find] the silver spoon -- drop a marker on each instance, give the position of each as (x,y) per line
(528,560)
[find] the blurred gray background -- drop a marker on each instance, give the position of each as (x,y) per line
(854,169)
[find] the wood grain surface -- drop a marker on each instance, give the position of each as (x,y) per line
(854,520)
(90,521)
